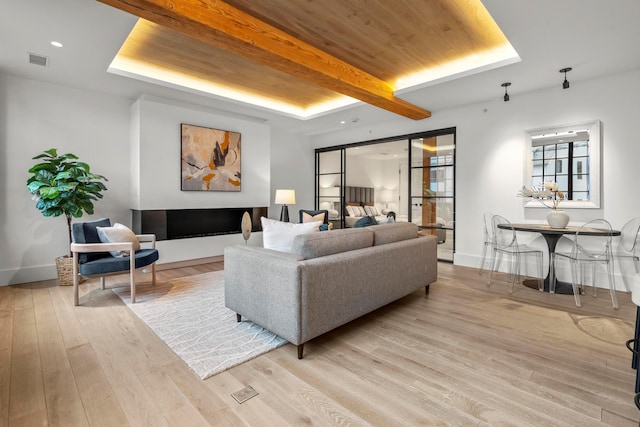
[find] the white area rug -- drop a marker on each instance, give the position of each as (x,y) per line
(189,315)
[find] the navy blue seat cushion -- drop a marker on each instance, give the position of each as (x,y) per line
(365,221)
(86,232)
(111,264)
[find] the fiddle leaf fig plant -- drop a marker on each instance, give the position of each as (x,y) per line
(62,185)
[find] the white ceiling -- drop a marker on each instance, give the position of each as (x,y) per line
(595,37)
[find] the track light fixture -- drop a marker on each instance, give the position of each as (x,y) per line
(505,86)
(565,83)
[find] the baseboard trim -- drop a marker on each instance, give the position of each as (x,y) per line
(189,262)
(48,272)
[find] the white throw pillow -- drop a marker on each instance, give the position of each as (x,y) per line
(118,233)
(278,235)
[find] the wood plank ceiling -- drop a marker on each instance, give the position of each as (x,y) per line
(304,53)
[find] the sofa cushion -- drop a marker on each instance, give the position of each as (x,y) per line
(278,235)
(317,245)
(110,264)
(393,232)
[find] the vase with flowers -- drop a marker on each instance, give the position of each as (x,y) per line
(548,195)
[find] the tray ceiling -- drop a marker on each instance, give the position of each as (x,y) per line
(305,58)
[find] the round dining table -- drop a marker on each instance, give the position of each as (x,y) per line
(552,236)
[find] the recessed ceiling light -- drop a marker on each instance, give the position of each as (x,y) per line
(342,122)
(56,44)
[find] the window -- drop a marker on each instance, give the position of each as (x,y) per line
(566,163)
(568,155)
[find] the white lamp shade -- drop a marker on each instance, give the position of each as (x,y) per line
(286,197)
(386,196)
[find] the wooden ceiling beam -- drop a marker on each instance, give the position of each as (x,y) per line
(217,23)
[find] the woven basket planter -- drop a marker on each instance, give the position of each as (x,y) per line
(64,265)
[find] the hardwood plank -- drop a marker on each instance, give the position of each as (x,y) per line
(464,355)
(207,400)
(6,336)
(98,398)
(61,393)
(297,401)
(27,390)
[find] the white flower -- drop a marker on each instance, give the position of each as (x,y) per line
(547,194)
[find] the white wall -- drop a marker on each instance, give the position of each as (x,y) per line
(155,125)
(378,174)
(36,116)
(490,141)
(137,147)
(292,167)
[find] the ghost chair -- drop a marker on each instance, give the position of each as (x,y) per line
(588,250)
(487,240)
(505,242)
(628,249)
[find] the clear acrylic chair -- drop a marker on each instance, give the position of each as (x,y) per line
(505,242)
(628,246)
(587,250)
(487,237)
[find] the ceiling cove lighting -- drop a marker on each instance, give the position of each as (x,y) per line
(505,85)
(565,83)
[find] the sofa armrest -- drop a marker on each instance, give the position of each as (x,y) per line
(263,285)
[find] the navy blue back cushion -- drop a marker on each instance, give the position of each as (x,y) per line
(86,232)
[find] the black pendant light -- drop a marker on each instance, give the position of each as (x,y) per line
(565,83)
(505,86)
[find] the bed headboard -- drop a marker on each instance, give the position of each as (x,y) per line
(359,195)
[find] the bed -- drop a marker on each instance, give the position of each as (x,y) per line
(360,202)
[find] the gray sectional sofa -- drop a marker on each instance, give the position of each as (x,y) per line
(328,279)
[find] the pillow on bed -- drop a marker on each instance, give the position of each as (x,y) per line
(372,210)
(278,235)
(350,211)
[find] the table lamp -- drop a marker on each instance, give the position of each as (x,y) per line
(284,198)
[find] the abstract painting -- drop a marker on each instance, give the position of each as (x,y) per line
(210,159)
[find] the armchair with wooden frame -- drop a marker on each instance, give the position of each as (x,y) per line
(91,257)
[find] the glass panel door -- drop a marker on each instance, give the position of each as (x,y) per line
(432,199)
(412,176)
(330,184)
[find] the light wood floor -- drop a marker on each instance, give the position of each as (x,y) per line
(465,355)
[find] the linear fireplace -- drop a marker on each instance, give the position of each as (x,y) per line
(169,224)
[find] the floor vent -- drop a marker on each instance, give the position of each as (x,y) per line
(245,394)
(38,59)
